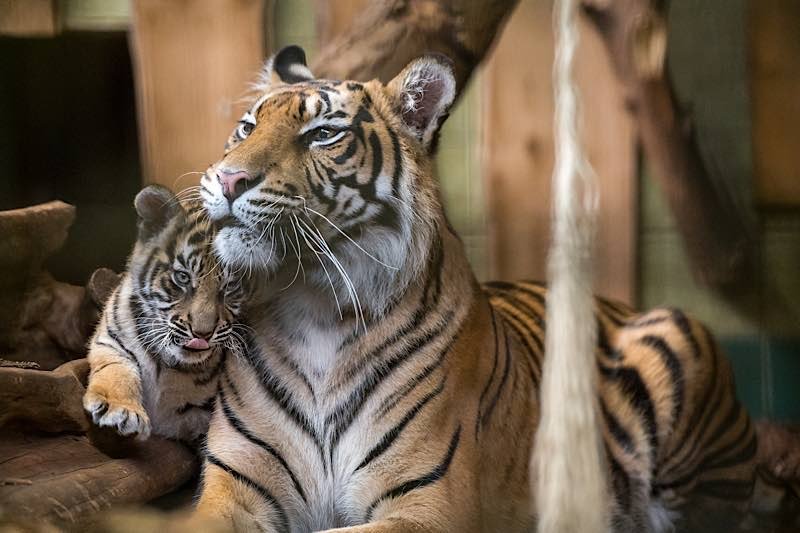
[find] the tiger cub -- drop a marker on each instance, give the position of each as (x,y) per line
(166,329)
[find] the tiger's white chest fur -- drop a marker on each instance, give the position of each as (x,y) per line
(326,423)
(304,406)
(330,483)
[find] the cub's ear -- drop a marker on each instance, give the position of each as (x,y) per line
(286,67)
(422,94)
(156,206)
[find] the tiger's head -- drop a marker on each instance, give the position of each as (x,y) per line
(333,179)
(184,305)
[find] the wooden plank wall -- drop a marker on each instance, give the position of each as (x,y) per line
(519,152)
(332,18)
(775,89)
(517,147)
(28,18)
(193,60)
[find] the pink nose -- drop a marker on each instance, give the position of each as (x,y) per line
(234,184)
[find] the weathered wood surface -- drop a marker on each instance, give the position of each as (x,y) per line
(28,18)
(717,238)
(54,320)
(29,235)
(37,314)
(774,86)
(519,153)
(49,401)
(192,61)
(66,480)
(387,35)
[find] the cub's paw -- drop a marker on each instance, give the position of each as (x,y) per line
(125,416)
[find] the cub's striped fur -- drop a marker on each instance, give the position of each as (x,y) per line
(383,389)
(165,331)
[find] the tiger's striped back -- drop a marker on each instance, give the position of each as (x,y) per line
(672,423)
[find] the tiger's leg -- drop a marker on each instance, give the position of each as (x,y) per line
(114,395)
(449,504)
(228,495)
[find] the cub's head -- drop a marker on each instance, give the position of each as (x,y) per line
(334,177)
(184,305)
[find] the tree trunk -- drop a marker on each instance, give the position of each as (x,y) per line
(388,35)
(717,239)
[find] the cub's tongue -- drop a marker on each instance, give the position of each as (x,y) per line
(197,344)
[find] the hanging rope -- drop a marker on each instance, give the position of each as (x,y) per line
(568,463)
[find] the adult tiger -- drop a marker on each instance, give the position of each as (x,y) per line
(391,392)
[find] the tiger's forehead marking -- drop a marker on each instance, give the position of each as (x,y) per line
(316,97)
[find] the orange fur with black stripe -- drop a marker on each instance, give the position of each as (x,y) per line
(383,389)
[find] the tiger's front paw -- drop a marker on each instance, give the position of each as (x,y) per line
(127,417)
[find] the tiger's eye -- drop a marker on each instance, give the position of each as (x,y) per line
(181,278)
(246,128)
(322,134)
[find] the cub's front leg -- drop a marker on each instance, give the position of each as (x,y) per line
(114,395)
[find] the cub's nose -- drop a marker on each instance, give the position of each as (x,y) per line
(234,184)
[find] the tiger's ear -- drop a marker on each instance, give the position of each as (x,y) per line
(286,67)
(156,206)
(422,94)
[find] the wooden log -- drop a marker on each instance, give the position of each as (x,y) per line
(28,236)
(65,480)
(192,63)
(332,19)
(716,237)
(46,400)
(387,35)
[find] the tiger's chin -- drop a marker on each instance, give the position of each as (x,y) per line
(238,248)
(176,355)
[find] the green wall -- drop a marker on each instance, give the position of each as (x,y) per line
(759,322)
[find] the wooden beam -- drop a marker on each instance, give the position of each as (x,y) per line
(28,18)
(387,35)
(192,62)
(333,19)
(774,86)
(519,153)
(717,238)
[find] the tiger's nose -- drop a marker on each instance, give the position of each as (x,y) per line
(203,333)
(234,184)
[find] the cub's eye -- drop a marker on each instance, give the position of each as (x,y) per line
(181,278)
(323,136)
